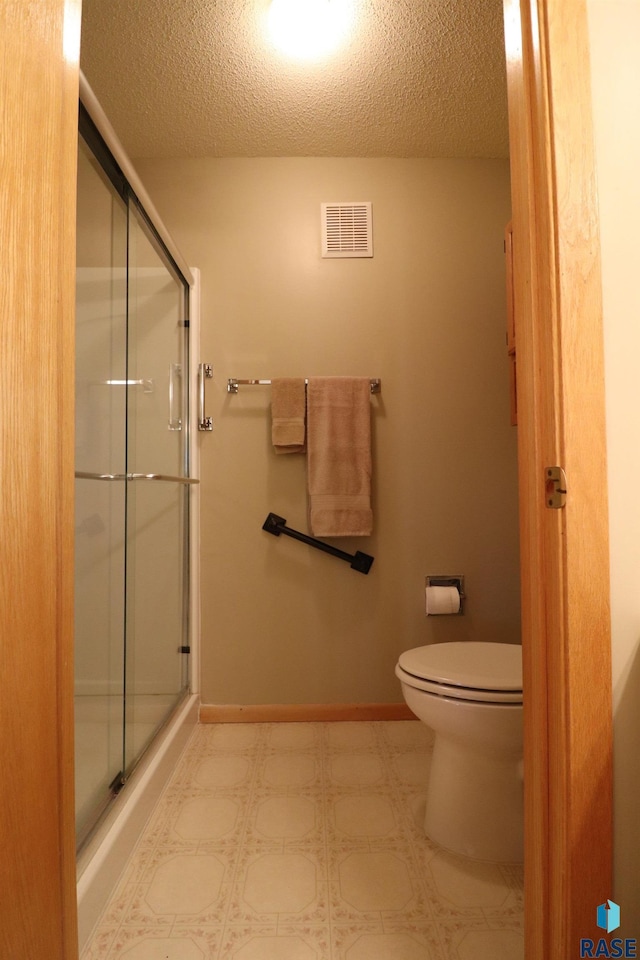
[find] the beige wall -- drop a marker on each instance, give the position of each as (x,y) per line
(283,623)
(615,61)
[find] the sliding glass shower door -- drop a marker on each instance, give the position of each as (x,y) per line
(157,509)
(101,357)
(132,486)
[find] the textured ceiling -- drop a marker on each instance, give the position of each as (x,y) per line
(189,78)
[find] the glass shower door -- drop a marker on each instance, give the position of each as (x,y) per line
(158,494)
(132,482)
(101,338)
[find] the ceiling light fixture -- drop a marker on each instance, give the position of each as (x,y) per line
(308,29)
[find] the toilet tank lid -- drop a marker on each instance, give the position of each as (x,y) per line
(476,664)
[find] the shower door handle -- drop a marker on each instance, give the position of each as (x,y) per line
(164,477)
(205,372)
(175,395)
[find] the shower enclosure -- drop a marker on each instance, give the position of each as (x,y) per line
(132,481)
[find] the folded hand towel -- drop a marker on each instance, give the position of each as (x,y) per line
(339,456)
(288,398)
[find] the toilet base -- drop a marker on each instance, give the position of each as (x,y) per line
(475,803)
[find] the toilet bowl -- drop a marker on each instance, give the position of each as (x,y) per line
(470,694)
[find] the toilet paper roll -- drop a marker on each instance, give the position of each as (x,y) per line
(442,600)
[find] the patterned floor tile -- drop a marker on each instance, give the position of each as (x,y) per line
(304,841)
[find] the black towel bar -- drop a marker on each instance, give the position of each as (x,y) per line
(359,561)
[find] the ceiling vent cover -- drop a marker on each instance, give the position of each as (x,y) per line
(347,230)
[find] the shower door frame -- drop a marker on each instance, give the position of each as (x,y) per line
(110,156)
(105,854)
(192,276)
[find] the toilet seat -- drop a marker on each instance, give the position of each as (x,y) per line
(485,672)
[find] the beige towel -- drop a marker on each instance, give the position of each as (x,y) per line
(339,456)
(288,397)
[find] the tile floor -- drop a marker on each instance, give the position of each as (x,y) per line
(303,841)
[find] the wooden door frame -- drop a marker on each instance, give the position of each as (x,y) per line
(561,422)
(566,625)
(39,46)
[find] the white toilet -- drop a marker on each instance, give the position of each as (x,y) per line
(470,694)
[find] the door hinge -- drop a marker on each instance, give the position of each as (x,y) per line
(184,649)
(555,487)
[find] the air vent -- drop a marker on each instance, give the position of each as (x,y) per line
(346,230)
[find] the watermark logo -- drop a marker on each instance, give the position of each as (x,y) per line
(608,918)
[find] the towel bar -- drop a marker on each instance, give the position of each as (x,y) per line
(166,478)
(359,561)
(233,384)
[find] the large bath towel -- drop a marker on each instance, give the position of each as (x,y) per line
(288,398)
(339,456)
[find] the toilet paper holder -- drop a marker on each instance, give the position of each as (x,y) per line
(453,580)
